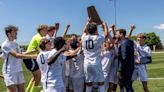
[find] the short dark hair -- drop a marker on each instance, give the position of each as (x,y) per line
(43,43)
(74,44)
(92,28)
(50,28)
(10,28)
(122,31)
(59,42)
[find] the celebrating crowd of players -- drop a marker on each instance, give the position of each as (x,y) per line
(76,64)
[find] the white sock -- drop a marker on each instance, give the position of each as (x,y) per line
(102,88)
(88,88)
(121,90)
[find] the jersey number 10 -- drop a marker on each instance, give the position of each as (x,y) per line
(89,44)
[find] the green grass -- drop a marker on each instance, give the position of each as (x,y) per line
(155,70)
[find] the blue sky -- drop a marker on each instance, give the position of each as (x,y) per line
(147,15)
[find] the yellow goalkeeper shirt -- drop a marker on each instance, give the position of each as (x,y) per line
(34,43)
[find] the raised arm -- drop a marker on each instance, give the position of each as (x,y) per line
(66,30)
(112,28)
(132,27)
(56,29)
(105,29)
(85,27)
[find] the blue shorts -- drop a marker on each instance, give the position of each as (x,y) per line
(31,64)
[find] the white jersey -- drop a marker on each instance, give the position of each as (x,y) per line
(140,69)
(11,64)
(92,47)
(108,58)
(51,40)
(77,66)
(43,66)
(55,71)
(144,50)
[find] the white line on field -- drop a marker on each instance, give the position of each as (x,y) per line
(156,78)
(158,52)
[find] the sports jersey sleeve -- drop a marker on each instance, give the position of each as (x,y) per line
(52,52)
(82,37)
(148,51)
(6,49)
(102,39)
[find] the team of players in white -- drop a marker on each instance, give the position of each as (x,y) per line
(96,62)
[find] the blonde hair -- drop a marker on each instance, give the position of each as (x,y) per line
(42,26)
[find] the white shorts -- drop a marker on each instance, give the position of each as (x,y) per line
(93,73)
(78,84)
(13,78)
(113,77)
(140,71)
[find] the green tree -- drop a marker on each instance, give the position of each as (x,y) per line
(153,39)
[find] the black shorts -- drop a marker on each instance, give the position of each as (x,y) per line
(31,64)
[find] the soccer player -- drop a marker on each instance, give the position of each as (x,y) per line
(77,68)
(31,64)
(140,69)
(68,66)
(12,68)
(45,46)
(92,46)
(108,58)
(56,59)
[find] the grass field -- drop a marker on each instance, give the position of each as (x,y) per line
(155,70)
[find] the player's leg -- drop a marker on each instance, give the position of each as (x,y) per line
(89,86)
(101,86)
(29,85)
(35,81)
(111,80)
(11,88)
(145,87)
(37,76)
(110,88)
(143,77)
(88,71)
(10,80)
(20,82)
(21,88)
(114,87)
(99,77)
(32,66)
